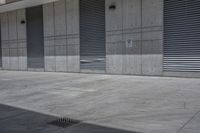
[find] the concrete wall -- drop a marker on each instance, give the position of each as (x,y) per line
(13,36)
(152,37)
(134,37)
(61,32)
(134,40)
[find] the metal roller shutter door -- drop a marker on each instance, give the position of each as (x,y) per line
(0,49)
(182,36)
(35,41)
(92,34)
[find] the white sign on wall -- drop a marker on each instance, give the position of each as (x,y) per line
(129,43)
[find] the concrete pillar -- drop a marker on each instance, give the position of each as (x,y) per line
(73,35)
(152,37)
(60,36)
(114,58)
(131,37)
(12,21)
(134,39)
(14,42)
(49,43)
(5,41)
(22,39)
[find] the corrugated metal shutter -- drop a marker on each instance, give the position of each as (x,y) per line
(0,49)
(35,37)
(92,34)
(182,35)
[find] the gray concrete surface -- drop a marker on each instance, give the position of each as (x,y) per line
(16,120)
(131,103)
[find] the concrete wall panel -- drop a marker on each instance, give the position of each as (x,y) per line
(50,59)
(22,58)
(22,62)
(152,37)
(61,58)
(6,63)
(49,43)
(114,64)
(132,32)
(140,21)
(123,24)
(73,35)
(131,14)
(152,13)
(4,27)
(72,15)
(5,41)
(132,54)
(12,21)
(60,36)
(48,16)
(73,63)
(61,63)
(114,57)
(22,42)
(132,64)
(14,40)
(152,57)
(114,17)
(50,63)
(6,59)
(14,63)
(21,28)
(60,18)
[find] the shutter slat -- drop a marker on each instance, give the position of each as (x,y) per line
(182,35)
(92,34)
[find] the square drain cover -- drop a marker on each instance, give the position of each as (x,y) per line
(64,122)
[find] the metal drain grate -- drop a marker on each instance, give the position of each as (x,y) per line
(64,122)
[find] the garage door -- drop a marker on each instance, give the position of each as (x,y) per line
(0,50)
(35,41)
(182,35)
(92,34)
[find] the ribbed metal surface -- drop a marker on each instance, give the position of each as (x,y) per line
(35,42)
(92,34)
(182,35)
(0,49)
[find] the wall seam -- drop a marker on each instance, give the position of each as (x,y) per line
(1,56)
(141,34)
(54,35)
(122,41)
(17,38)
(66,36)
(8,40)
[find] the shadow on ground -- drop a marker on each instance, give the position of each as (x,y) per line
(16,120)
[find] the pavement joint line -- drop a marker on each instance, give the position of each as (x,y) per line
(186,123)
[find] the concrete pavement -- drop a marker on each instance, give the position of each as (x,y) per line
(128,103)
